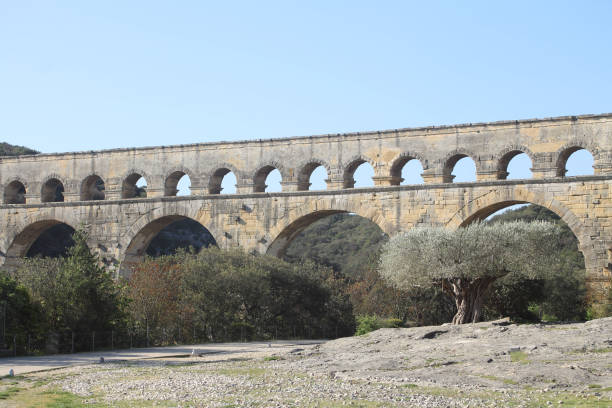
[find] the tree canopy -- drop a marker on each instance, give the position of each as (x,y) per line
(466,261)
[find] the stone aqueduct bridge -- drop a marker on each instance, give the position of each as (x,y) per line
(121,226)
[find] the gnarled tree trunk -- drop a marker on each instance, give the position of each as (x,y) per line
(469,295)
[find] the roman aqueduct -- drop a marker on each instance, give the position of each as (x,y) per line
(40,191)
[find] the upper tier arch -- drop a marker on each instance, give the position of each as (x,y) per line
(546,141)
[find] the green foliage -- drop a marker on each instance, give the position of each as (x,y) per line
(468,260)
(344,242)
(230,295)
(560,296)
(19,313)
(13,150)
(181,234)
(75,293)
(519,357)
(514,297)
(366,324)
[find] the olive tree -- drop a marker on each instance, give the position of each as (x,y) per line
(465,262)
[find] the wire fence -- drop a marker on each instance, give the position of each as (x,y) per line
(64,342)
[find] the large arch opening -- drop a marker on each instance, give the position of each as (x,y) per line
(177,183)
(52,191)
(267,179)
(92,188)
(562,296)
(359,174)
(349,244)
(14,193)
(166,235)
(49,238)
(407,170)
(460,168)
(134,186)
(514,165)
(313,176)
(223,181)
(342,240)
(575,161)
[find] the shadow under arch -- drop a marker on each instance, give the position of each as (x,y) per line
(137,248)
(23,242)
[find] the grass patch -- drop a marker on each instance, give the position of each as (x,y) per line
(251,372)
(273,358)
(9,392)
(503,380)
(349,403)
(592,386)
(411,386)
(48,399)
(519,357)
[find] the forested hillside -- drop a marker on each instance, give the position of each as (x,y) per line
(13,150)
(345,242)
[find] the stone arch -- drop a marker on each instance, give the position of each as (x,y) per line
(92,188)
(52,189)
(173,177)
(398,163)
(216,176)
(140,234)
(448,163)
(351,166)
(504,157)
(495,200)
(262,172)
(302,216)
(15,191)
(561,155)
(128,186)
(21,242)
(305,170)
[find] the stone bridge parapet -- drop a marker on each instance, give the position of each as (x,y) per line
(121,225)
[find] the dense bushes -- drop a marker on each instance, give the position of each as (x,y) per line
(60,304)
(229,295)
(366,324)
(71,294)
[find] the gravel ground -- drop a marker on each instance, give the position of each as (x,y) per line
(485,364)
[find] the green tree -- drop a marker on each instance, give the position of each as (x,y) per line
(230,295)
(465,262)
(20,316)
(560,296)
(76,292)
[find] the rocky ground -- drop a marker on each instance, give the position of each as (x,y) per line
(486,364)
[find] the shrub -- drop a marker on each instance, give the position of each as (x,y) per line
(366,324)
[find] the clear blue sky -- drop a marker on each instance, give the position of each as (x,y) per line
(82,75)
